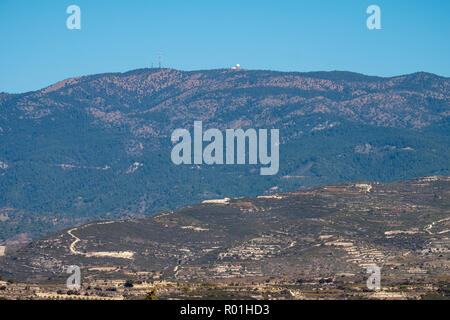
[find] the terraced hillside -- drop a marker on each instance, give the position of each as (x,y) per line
(332,232)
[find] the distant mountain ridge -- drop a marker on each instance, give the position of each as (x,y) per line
(98,146)
(149,91)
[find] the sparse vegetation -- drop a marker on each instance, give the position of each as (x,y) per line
(309,244)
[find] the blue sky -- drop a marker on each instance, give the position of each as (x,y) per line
(37,49)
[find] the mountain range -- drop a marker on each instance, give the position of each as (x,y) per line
(98,147)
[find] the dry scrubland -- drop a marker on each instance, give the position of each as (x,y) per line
(307,244)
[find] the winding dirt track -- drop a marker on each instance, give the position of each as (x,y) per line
(110,254)
(431,225)
(73,244)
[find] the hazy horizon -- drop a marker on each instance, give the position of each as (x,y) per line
(224,68)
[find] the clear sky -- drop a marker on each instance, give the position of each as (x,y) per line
(37,49)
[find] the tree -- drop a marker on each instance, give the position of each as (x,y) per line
(128,283)
(151,295)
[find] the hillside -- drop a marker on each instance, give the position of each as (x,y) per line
(98,147)
(332,232)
